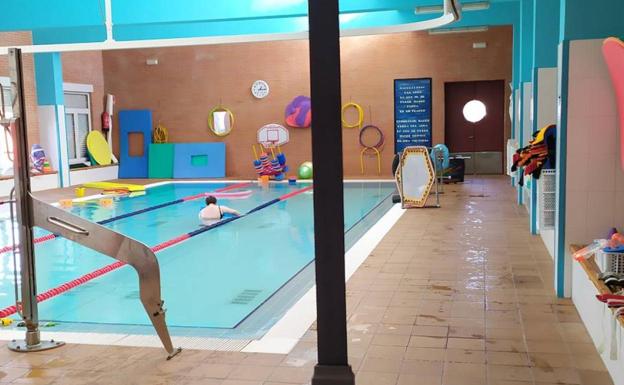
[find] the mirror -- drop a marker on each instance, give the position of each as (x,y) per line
(414,176)
(221,121)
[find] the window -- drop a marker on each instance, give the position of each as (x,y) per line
(6,144)
(77,125)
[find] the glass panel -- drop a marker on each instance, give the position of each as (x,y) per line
(81,132)
(6,92)
(76,101)
(69,128)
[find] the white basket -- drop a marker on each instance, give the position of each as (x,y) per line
(611,262)
(546,189)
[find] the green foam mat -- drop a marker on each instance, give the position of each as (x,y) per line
(161,160)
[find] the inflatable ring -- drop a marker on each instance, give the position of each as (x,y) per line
(213,125)
(440,164)
(379,143)
(360,112)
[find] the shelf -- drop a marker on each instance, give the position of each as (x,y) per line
(593,272)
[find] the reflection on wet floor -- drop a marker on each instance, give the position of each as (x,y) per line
(460,295)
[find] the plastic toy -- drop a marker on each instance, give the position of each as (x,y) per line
(111,186)
(299,112)
(38,157)
(271,168)
(305,170)
(613,52)
(273,135)
(98,148)
(66,203)
(80,192)
(360,112)
(6,321)
(106,202)
(292,180)
(616,240)
(47,167)
(375,147)
(160,134)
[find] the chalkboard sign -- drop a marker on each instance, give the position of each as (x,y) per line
(412,113)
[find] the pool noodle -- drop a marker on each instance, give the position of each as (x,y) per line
(10,310)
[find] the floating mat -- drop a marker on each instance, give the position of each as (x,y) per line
(134,122)
(161,160)
(199,160)
(115,186)
(98,148)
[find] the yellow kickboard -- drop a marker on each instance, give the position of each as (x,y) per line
(114,186)
(98,148)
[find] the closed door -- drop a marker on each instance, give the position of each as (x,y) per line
(481,140)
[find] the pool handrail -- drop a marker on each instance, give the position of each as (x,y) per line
(119,247)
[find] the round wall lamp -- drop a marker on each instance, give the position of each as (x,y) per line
(474,111)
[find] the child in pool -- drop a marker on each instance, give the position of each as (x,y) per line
(213,212)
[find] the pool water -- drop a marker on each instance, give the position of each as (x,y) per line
(213,280)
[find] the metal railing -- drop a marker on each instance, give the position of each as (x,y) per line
(34,212)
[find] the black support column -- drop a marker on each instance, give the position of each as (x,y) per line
(333,367)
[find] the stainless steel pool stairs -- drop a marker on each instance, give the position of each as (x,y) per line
(33,212)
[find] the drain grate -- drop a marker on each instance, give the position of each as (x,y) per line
(245,296)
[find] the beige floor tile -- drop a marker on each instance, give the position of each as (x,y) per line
(390,340)
(210,370)
(391,352)
(417,379)
(557,375)
(372,378)
(507,358)
(380,365)
(427,342)
(430,331)
(509,373)
(251,372)
(465,356)
(422,368)
(466,343)
(424,354)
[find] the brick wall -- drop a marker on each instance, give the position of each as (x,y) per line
(8,39)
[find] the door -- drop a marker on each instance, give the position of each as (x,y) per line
(482,141)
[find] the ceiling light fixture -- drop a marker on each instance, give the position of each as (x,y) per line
(442,31)
(476,6)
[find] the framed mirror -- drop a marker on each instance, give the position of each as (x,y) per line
(414,176)
(221,121)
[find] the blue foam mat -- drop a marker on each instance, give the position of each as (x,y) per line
(213,167)
(134,121)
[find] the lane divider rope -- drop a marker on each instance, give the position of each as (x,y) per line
(49,237)
(10,310)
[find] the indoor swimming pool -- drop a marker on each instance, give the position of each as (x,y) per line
(214,279)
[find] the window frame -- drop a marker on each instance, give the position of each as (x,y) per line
(83,90)
(6,144)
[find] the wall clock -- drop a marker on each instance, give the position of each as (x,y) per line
(260,89)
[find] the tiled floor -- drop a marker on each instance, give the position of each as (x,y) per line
(457,296)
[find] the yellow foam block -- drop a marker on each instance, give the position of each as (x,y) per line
(98,148)
(115,186)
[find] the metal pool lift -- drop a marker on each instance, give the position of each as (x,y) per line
(33,212)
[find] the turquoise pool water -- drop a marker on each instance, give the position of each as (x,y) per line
(213,280)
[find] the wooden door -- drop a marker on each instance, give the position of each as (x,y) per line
(485,136)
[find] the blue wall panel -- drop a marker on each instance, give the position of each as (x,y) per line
(134,121)
(210,160)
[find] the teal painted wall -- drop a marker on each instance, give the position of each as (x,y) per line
(593,19)
(526,40)
(546,33)
(74,21)
(49,78)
